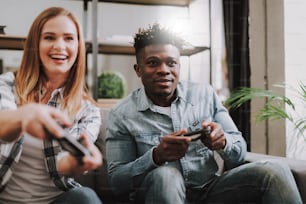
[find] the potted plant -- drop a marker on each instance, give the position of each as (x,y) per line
(276,107)
(111,87)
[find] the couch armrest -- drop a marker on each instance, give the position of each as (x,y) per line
(298,168)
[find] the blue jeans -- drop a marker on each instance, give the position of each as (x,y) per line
(79,195)
(258,182)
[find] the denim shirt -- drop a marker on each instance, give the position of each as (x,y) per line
(135,127)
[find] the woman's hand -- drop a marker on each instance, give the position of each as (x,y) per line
(34,119)
(71,166)
(39,120)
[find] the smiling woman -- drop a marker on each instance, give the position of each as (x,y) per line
(58,46)
(58,28)
(52,73)
(58,51)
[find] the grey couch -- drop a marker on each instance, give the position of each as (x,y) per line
(98,179)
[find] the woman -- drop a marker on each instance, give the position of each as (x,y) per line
(51,74)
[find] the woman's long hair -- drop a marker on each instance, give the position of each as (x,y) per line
(30,77)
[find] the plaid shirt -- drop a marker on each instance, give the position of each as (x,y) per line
(87,120)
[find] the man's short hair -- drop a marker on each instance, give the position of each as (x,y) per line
(156,34)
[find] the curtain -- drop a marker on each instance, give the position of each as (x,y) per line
(237,57)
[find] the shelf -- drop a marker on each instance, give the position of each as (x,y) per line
(10,42)
(106,103)
(149,2)
(17,43)
(129,50)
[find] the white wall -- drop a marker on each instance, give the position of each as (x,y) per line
(295,72)
(18,16)
(277,53)
(118,19)
(267,68)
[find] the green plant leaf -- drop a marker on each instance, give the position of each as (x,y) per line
(273,112)
(275,107)
(110,85)
(245,94)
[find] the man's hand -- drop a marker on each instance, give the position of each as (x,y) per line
(171,148)
(216,140)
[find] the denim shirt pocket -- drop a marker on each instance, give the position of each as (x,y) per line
(202,150)
(145,141)
(199,150)
(196,117)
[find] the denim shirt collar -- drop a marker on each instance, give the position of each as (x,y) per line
(145,103)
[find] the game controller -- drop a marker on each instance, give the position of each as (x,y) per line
(72,145)
(197,134)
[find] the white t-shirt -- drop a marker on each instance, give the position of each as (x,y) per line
(30,179)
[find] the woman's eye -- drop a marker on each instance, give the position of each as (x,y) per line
(48,37)
(70,38)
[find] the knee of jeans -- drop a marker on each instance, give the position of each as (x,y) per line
(275,167)
(166,175)
(164,184)
(86,194)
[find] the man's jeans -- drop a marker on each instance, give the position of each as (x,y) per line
(258,182)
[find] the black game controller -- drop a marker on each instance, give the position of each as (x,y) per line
(197,134)
(72,145)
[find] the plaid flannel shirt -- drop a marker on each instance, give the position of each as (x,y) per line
(87,120)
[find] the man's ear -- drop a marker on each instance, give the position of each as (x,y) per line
(137,70)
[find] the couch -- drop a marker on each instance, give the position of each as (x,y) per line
(98,179)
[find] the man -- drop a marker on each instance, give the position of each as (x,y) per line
(148,156)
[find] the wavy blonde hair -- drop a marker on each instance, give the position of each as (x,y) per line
(30,77)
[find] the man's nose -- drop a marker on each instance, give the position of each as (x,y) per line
(164,68)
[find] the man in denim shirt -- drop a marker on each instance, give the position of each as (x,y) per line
(148,156)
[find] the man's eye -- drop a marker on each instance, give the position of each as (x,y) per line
(152,63)
(171,63)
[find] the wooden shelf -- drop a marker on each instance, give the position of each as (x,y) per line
(129,50)
(106,103)
(149,2)
(9,42)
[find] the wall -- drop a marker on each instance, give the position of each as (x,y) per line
(267,69)
(118,20)
(129,18)
(277,43)
(277,49)
(18,16)
(295,72)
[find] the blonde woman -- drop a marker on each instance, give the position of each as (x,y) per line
(47,89)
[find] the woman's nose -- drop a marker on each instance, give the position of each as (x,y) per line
(59,44)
